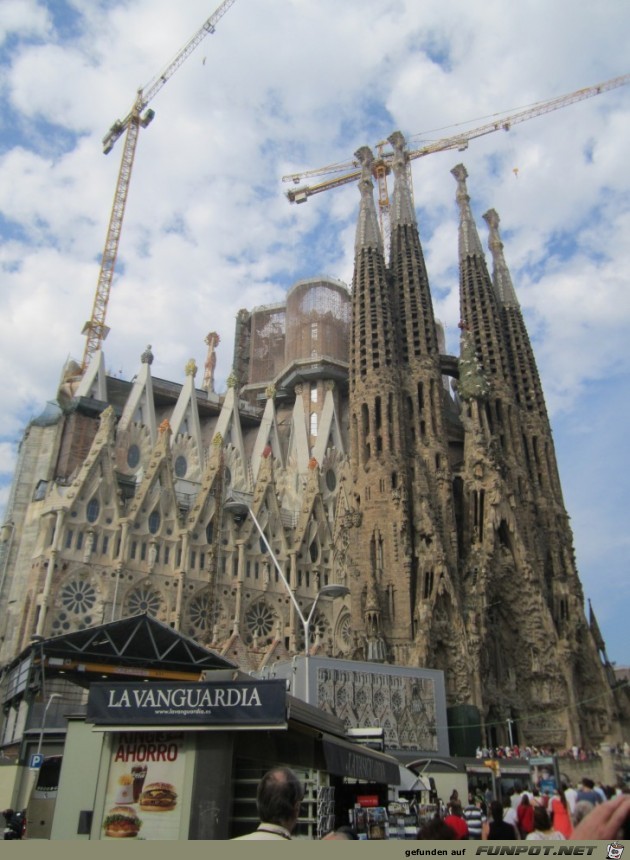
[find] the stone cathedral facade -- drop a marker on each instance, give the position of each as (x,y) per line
(425,483)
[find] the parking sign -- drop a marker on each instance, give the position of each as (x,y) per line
(37,759)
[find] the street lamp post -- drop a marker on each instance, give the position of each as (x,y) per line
(331,591)
(43,723)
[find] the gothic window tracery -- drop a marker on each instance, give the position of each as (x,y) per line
(144,598)
(259,619)
(202,613)
(78,596)
(343,637)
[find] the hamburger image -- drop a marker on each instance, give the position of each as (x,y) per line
(121,822)
(158,797)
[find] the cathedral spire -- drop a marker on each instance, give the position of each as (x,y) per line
(469,242)
(411,296)
(480,310)
(501,278)
(368,232)
(402,209)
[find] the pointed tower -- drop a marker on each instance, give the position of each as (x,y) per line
(376,439)
(538,444)
(428,516)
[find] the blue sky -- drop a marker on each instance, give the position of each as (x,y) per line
(290,84)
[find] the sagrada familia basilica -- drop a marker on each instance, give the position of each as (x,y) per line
(425,483)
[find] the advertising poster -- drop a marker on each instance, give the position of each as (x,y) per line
(144,787)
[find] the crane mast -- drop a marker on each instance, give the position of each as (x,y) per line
(95,329)
(382,163)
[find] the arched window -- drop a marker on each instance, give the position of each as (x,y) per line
(154,522)
(133,456)
(92,510)
(181,466)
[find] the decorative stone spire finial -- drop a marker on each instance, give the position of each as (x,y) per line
(469,242)
(368,230)
(147,356)
(212,340)
(501,278)
(191,367)
(402,211)
(270,391)
(232,380)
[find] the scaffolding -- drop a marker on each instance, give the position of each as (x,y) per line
(318,320)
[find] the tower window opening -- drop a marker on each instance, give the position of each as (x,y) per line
(428,584)
(154,522)
(92,510)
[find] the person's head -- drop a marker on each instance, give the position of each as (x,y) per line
(343,832)
(588,783)
(436,829)
(279,797)
(525,800)
(456,809)
(496,811)
(582,809)
(541,819)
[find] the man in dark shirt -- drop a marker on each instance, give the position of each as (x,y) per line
(586,791)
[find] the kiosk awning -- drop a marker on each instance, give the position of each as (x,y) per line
(410,781)
(344,758)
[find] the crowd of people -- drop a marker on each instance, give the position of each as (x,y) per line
(575,752)
(588,812)
(527,752)
(569,813)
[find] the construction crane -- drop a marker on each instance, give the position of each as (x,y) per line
(95,329)
(381,166)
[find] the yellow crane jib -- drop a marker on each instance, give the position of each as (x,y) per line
(458,141)
(138,117)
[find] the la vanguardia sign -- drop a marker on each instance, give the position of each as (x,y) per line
(246,703)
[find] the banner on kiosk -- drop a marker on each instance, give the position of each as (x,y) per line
(209,704)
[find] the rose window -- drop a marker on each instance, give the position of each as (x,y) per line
(144,599)
(316,631)
(78,596)
(344,633)
(201,613)
(259,619)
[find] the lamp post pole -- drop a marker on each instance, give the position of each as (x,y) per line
(43,723)
(326,591)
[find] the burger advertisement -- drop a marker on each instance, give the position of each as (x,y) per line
(145,780)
